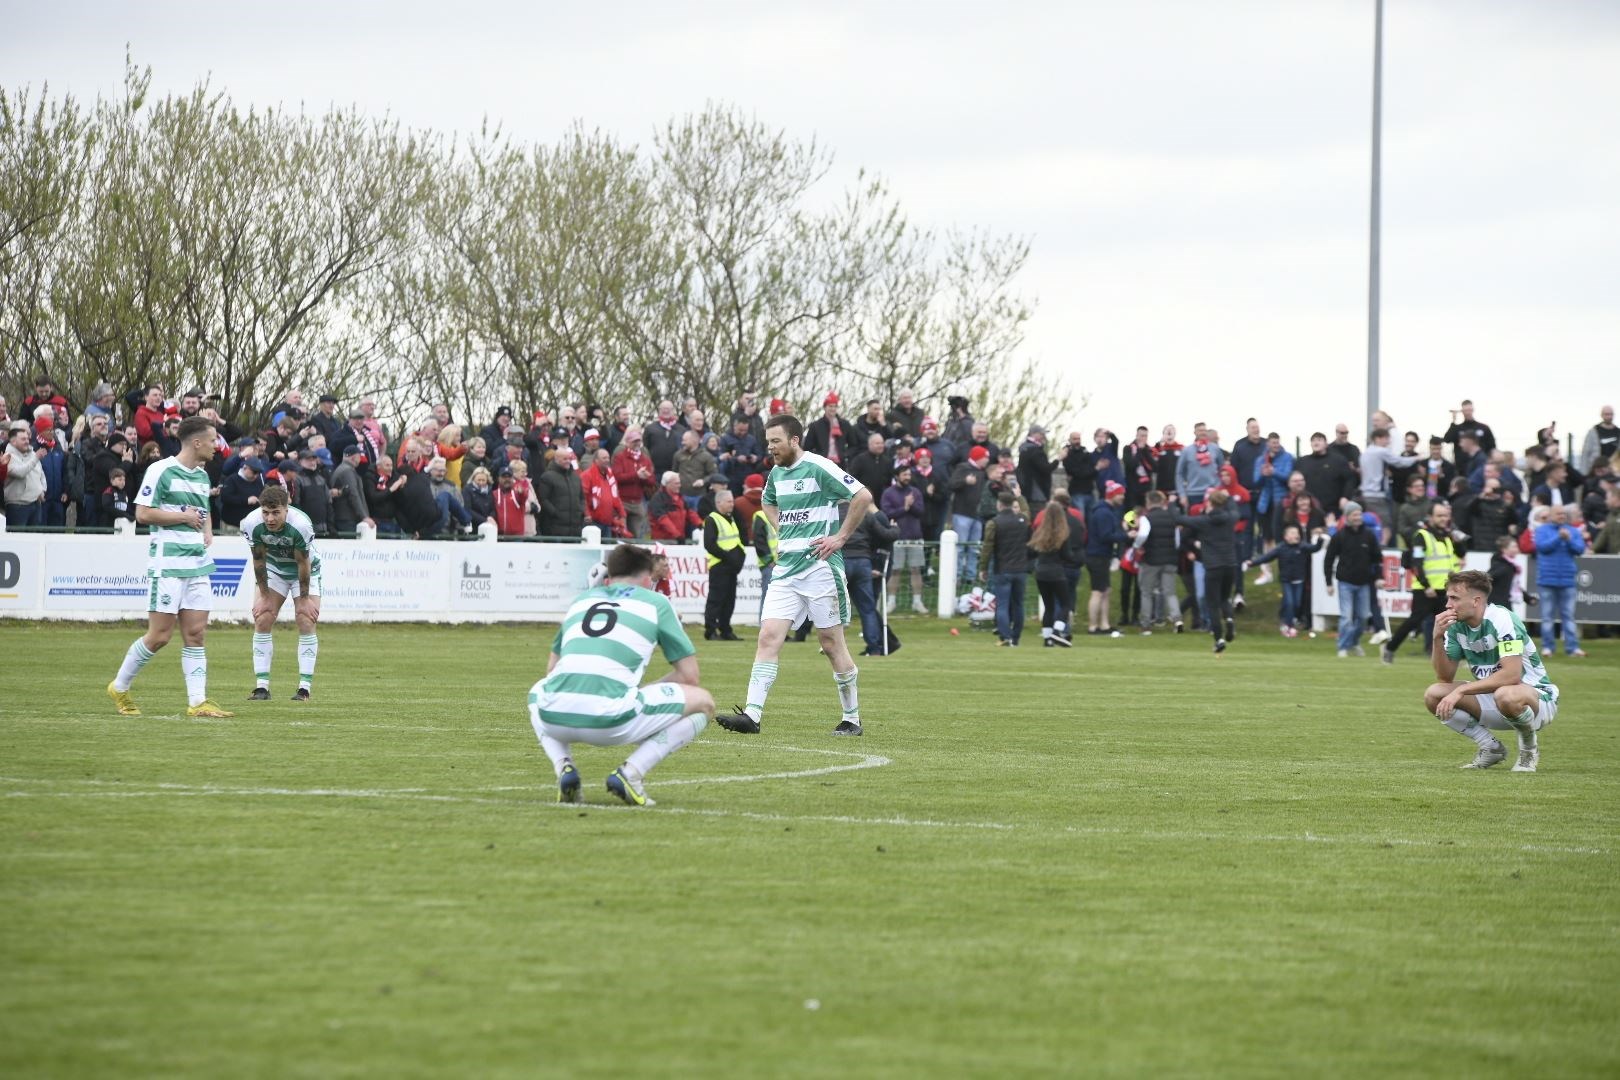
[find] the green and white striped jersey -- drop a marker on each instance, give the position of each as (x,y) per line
(806,495)
(281,548)
(1500,634)
(604,646)
(175,551)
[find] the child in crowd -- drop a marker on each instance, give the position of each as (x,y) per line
(1294,571)
(115,502)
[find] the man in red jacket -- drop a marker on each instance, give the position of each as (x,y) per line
(667,511)
(150,415)
(633,470)
(601,492)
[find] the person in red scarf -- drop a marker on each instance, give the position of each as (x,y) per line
(1167,452)
(510,511)
(830,435)
(601,493)
(1141,462)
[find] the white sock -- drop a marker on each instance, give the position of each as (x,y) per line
(847,696)
(663,744)
(308,646)
(136,658)
(264,647)
(1468,727)
(194,665)
(759,686)
(557,751)
(1524,725)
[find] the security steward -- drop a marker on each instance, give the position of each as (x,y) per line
(723,542)
(1432,558)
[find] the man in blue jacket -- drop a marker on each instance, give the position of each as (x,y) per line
(1104,538)
(1556,547)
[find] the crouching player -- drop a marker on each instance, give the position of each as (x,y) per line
(1510,688)
(592,691)
(285,563)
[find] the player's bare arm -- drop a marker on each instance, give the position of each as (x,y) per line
(683,671)
(1511,673)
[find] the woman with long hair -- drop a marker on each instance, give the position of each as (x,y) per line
(1052,547)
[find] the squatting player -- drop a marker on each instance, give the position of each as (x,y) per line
(592,691)
(285,563)
(1510,688)
(173,503)
(801,500)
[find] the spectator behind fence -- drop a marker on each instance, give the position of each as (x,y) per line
(870,423)
(903,503)
(663,438)
(1601,443)
(452,514)
(562,496)
(1376,461)
(239,489)
(748,505)
(873,467)
(633,469)
(478,496)
(934,482)
(602,503)
(740,452)
(115,503)
(25,479)
(905,419)
(1557,544)
(668,513)
(830,434)
(310,490)
(1035,469)
(967,481)
(1467,426)
(695,465)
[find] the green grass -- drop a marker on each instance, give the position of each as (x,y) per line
(1126,859)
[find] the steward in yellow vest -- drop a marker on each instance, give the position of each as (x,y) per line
(1432,558)
(723,543)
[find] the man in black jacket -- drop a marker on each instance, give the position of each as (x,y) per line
(1081,469)
(873,467)
(562,496)
(349,505)
(1354,565)
(1156,579)
(1328,476)
(1035,470)
(415,509)
(865,562)
(830,435)
(1004,563)
(1217,551)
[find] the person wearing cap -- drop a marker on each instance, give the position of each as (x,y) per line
(310,490)
(717,483)
(349,503)
(748,505)
(1105,538)
(967,483)
(1352,567)
(494,432)
(633,470)
(52,455)
(829,434)
(115,454)
(779,407)
(1035,470)
(940,449)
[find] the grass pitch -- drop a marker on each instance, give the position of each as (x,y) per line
(1126,859)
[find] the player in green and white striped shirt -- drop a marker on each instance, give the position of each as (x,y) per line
(802,497)
(1510,688)
(282,540)
(592,691)
(173,503)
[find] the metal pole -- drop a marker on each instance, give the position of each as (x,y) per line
(1372,261)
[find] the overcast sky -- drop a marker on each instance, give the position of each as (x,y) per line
(1193,176)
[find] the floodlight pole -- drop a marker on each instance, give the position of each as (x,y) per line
(1373,253)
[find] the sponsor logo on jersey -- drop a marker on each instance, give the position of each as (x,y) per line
(793,517)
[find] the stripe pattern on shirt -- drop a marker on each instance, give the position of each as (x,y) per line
(603,649)
(1499,634)
(806,495)
(175,550)
(281,548)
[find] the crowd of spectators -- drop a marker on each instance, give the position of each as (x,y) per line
(1132,508)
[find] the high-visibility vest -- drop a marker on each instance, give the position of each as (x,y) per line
(1438,558)
(726,536)
(762,521)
